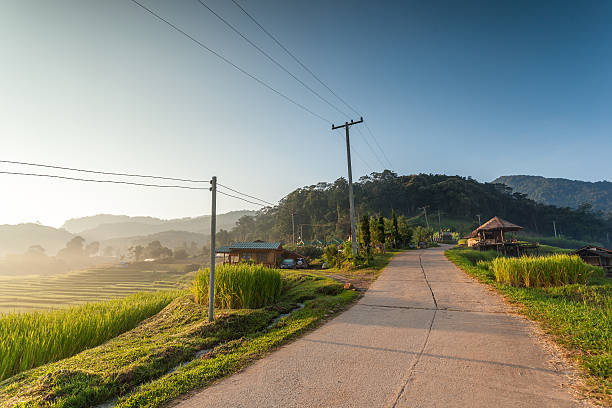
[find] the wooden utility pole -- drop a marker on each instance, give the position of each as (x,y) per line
(213,230)
(555,228)
(424,208)
(350,180)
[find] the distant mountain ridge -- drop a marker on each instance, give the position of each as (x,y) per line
(119,231)
(562,192)
(105,226)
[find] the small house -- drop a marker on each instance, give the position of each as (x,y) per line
(597,256)
(493,232)
(499,235)
(269,254)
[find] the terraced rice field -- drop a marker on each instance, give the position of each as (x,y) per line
(79,287)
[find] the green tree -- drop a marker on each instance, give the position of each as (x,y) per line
(380,231)
(331,255)
(366,238)
(395,235)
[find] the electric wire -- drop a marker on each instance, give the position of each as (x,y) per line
(278,64)
(246,195)
(261,82)
(102,181)
(108,173)
(376,141)
(224,59)
(239,198)
(296,59)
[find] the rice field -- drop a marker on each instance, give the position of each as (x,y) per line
(30,339)
(45,292)
(239,286)
(545,271)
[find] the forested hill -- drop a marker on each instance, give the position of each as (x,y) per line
(321,210)
(562,192)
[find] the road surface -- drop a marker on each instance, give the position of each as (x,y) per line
(423,335)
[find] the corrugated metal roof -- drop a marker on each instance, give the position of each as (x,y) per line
(255,245)
(223,250)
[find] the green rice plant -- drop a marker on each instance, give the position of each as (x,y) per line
(30,339)
(242,286)
(546,271)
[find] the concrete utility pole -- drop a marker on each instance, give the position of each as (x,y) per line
(293,227)
(426,221)
(350,180)
(213,230)
(555,228)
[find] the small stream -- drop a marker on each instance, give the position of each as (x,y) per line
(112,402)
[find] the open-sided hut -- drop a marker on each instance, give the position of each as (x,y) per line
(597,256)
(500,235)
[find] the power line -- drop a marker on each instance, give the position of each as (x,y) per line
(224,59)
(370,146)
(103,172)
(353,150)
(239,198)
(293,56)
(382,151)
(296,59)
(102,181)
(281,66)
(246,195)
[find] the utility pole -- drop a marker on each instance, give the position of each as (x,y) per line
(479,223)
(213,230)
(350,180)
(424,208)
(555,228)
(293,227)
(439,223)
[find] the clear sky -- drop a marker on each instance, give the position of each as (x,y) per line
(478,89)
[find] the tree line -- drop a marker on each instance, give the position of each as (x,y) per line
(320,211)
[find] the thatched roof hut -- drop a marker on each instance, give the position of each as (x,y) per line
(493,232)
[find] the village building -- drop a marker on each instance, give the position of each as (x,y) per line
(269,254)
(499,235)
(597,256)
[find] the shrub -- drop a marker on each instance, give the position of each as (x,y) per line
(546,271)
(242,286)
(332,256)
(310,252)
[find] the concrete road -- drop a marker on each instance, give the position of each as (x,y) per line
(423,335)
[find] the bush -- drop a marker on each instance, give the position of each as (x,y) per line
(242,286)
(332,256)
(547,271)
(310,252)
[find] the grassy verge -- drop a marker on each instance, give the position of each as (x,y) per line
(135,366)
(28,340)
(578,316)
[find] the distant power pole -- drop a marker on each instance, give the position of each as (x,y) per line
(293,227)
(439,223)
(350,180)
(426,221)
(555,228)
(213,230)
(479,223)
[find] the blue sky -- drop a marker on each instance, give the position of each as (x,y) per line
(479,89)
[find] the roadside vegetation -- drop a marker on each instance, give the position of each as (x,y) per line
(31,339)
(178,350)
(577,315)
(241,286)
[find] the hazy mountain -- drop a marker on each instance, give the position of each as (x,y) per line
(77,225)
(562,192)
(170,239)
(100,229)
(18,238)
(120,231)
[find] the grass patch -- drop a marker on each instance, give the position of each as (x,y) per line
(241,286)
(544,271)
(28,340)
(135,366)
(578,316)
